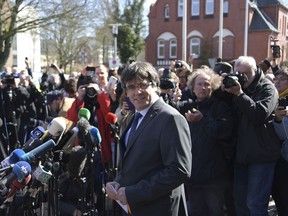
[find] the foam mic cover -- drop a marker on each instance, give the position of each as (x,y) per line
(57,126)
(32,144)
(95,135)
(61,156)
(111,118)
(78,157)
(84,113)
(13,158)
(39,151)
(83,126)
(20,171)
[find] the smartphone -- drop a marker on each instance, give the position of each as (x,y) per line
(112,82)
(282,102)
(276,51)
(131,106)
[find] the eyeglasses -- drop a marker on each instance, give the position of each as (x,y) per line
(280,79)
(141,86)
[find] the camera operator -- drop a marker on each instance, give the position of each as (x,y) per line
(9,91)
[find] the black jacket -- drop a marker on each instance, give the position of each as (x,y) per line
(257,141)
(216,126)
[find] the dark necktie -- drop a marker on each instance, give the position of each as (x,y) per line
(134,125)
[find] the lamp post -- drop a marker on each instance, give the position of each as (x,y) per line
(115,34)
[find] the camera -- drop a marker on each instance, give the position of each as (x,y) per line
(8,80)
(178,64)
(231,79)
(166,82)
(275,51)
(90,91)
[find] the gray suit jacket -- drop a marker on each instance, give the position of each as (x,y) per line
(156,163)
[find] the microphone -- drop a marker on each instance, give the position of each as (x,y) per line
(19,171)
(111,118)
(43,173)
(95,135)
(67,139)
(61,156)
(13,158)
(57,126)
(77,161)
(34,143)
(39,151)
(84,113)
(37,132)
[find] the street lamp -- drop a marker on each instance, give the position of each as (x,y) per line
(115,33)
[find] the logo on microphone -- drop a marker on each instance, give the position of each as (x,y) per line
(24,169)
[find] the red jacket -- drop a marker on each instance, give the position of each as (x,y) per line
(103,127)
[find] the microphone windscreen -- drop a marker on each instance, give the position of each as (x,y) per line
(111,118)
(85,113)
(61,156)
(32,144)
(95,135)
(39,151)
(12,158)
(16,155)
(57,126)
(21,169)
(78,157)
(83,126)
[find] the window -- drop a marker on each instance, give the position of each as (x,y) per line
(209,7)
(195,47)
(195,8)
(166,12)
(173,49)
(160,49)
(180,8)
(225,7)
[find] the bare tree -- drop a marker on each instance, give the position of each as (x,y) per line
(15,19)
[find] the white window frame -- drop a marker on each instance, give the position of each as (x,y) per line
(209,9)
(180,8)
(173,48)
(225,7)
(195,7)
(161,48)
(167,11)
(195,42)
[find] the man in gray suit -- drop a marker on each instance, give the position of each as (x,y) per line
(156,158)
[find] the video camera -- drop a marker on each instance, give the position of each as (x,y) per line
(231,79)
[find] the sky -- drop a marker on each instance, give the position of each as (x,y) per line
(146,11)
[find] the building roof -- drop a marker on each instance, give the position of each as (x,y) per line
(262,3)
(260,20)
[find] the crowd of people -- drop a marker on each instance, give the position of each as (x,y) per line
(185,140)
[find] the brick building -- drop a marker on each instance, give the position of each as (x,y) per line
(266,19)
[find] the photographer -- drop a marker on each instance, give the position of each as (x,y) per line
(29,104)
(258,147)
(95,98)
(182,70)
(169,88)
